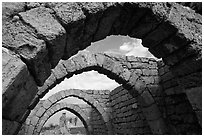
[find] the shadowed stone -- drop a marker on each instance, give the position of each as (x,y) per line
(48,29)
(17,83)
(9,127)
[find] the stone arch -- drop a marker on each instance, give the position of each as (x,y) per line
(75,109)
(55,98)
(169,30)
(118,69)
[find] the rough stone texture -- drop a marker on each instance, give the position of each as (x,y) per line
(88,115)
(181,106)
(174,33)
(48,29)
(10,127)
(18,89)
(114,66)
(165,30)
(126,116)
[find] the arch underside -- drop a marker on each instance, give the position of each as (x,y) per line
(53,100)
(37,35)
(75,109)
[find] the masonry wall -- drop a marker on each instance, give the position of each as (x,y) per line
(177,110)
(126,115)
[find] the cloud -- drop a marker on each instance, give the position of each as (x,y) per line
(87,80)
(135,48)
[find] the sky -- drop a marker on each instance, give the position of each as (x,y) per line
(93,80)
(113,44)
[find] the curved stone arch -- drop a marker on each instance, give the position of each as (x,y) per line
(75,109)
(171,34)
(115,68)
(55,98)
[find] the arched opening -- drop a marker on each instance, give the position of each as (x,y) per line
(51,127)
(155,23)
(96,124)
(72,108)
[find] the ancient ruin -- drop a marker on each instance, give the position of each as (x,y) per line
(40,42)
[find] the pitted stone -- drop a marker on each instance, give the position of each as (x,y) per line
(23,40)
(117,68)
(108,64)
(9,127)
(90,58)
(125,75)
(47,104)
(181,50)
(40,111)
(34,120)
(79,61)
(70,66)
(49,29)
(146,99)
(99,59)
(152,112)
(60,71)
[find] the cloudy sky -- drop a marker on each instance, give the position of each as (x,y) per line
(93,80)
(113,44)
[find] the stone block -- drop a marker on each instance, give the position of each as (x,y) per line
(152,112)
(18,86)
(148,80)
(167,76)
(99,59)
(47,104)
(90,58)
(146,99)
(125,75)
(52,99)
(163,31)
(108,64)
(10,127)
(34,120)
(48,29)
(40,112)
(70,66)
(80,62)
(24,41)
(139,86)
(158,126)
(146,72)
(34,102)
(141,30)
(156,90)
(60,71)
(51,80)
(42,90)
(109,17)
(30,130)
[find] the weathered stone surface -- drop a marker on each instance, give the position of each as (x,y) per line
(147,24)
(40,112)
(109,16)
(10,127)
(146,99)
(23,40)
(19,87)
(48,29)
(90,58)
(108,64)
(158,127)
(80,62)
(173,32)
(9,9)
(70,65)
(60,71)
(125,75)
